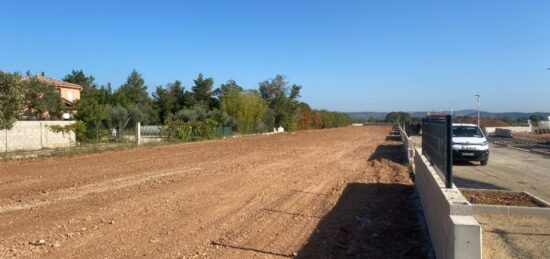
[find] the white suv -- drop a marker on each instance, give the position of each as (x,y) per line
(469,143)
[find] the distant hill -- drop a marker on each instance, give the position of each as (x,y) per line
(467,113)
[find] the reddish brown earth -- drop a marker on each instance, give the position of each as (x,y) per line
(485,122)
(310,194)
(501,198)
(541,137)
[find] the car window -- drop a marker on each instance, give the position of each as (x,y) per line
(467,131)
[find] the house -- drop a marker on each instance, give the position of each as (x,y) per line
(69,92)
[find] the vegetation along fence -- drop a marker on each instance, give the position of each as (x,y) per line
(183,131)
(437,145)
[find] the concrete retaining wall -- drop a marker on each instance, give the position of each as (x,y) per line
(407,144)
(33,135)
(454,232)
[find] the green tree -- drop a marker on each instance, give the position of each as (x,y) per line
(92,113)
(169,100)
(104,94)
(203,90)
(177,90)
(395,117)
(247,108)
(78,77)
(42,101)
(12,94)
(535,119)
(134,91)
(193,114)
(164,102)
(228,87)
(282,101)
(117,117)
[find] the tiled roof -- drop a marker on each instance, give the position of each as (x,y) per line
(57,83)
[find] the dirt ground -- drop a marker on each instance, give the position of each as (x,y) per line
(500,198)
(540,137)
(515,236)
(310,194)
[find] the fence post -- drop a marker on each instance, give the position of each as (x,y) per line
(138,133)
(41,135)
(6,140)
(448,179)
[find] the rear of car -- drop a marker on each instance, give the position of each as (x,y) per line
(470,144)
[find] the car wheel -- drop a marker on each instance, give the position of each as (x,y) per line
(483,162)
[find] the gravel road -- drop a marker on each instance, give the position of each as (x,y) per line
(507,169)
(311,194)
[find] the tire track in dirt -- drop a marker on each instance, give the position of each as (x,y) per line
(76,193)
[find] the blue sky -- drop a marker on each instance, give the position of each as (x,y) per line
(347,55)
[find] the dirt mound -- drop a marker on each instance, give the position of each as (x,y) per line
(485,122)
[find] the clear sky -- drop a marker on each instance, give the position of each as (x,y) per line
(348,55)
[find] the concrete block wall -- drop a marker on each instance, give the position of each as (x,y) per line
(454,232)
(34,135)
(407,144)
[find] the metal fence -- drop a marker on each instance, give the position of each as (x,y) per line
(151,130)
(223,131)
(437,145)
(161,132)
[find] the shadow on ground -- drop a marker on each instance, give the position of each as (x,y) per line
(393,153)
(468,183)
(393,138)
(466,163)
(373,220)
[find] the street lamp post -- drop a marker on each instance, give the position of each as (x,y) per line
(477,97)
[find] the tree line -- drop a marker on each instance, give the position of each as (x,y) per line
(199,110)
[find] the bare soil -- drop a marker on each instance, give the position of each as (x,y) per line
(485,122)
(311,194)
(515,236)
(500,198)
(540,137)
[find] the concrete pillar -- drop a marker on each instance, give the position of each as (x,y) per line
(6,131)
(41,126)
(138,133)
(467,237)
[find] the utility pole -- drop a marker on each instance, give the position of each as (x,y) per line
(477,97)
(451,109)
